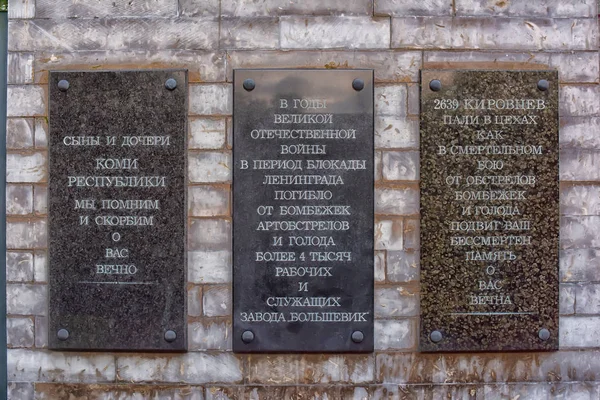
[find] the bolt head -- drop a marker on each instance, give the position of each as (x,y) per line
(358,336)
(63,85)
(543,85)
(170,336)
(358,84)
(435,85)
(544,334)
(62,334)
(249,85)
(247,336)
(435,336)
(171,84)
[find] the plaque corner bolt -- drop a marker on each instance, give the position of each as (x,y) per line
(544,334)
(247,336)
(249,84)
(436,336)
(62,334)
(170,336)
(435,85)
(358,336)
(358,84)
(63,85)
(171,84)
(543,85)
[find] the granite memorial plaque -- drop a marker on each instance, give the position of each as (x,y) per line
(489,210)
(303,211)
(117,210)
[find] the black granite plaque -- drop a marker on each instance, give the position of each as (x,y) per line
(117,210)
(489,210)
(303,211)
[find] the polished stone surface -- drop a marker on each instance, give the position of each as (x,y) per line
(489,210)
(303,211)
(117,211)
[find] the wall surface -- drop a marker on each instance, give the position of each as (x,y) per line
(396,38)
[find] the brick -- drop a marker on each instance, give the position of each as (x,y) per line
(41,331)
(580,200)
(21,9)
(26,234)
(57,9)
(579,132)
(19,133)
(396,133)
(403,266)
(209,266)
(249,33)
(400,165)
(199,8)
(390,100)
(20,68)
(19,199)
(378,166)
(567,299)
(414,99)
(579,232)
(192,368)
(216,301)
(388,234)
(577,265)
(267,8)
(209,235)
(113,34)
(208,201)
(579,165)
(19,266)
(23,299)
(587,298)
(334,32)
(40,266)
(41,132)
(44,366)
(397,201)
(251,392)
(394,302)
(411,234)
(209,167)
(379,266)
(579,100)
(19,332)
(26,101)
(579,332)
(538,8)
(30,167)
(54,391)
(389,66)
(213,99)
(206,133)
(194,303)
(20,391)
(402,8)
(214,334)
(497,33)
(40,199)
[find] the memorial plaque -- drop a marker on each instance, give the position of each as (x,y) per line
(489,210)
(303,211)
(117,210)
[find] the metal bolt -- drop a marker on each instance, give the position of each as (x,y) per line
(358,336)
(544,334)
(247,336)
(249,84)
(543,85)
(171,84)
(62,334)
(170,336)
(63,85)
(435,336)
(435,85)
(358,84)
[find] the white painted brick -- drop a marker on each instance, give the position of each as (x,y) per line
(19,266)
(40,199)
(580,132)
(396,302)
(209,266)
(19,332)
(577,265)
(395,334)
(579,165)
(400,201)
(206,133)
(587,299)
(45,366)
(25,101)
(31,167)
(414,99)
(401,165)
(193,368)
(579,232)
(494,33)
(209,234)
(19,133)
(40,266)
(388,234)
(26,234)
(57,9)
(378,166)
(199,8)
(579,100)
(567,293)
(379,266)
(209,335)
(405,8)
(580,200)
(390,100)
(537,8)
(396,133)
(20,391)
(579,332)
(41,331)
(23,299)
(209,167)
(412,239)
(403,266)
(576,66)
(249,33)
(41,132)
(217,301)
(21,9)
(194,303)
(229,132)
(334,32)
(212,99)
(208,201)
(20,68)
(267,8)
(19,199)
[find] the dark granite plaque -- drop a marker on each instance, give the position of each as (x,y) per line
(117,210)
(489,210)
(303,211)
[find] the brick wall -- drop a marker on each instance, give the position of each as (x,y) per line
(394,37)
